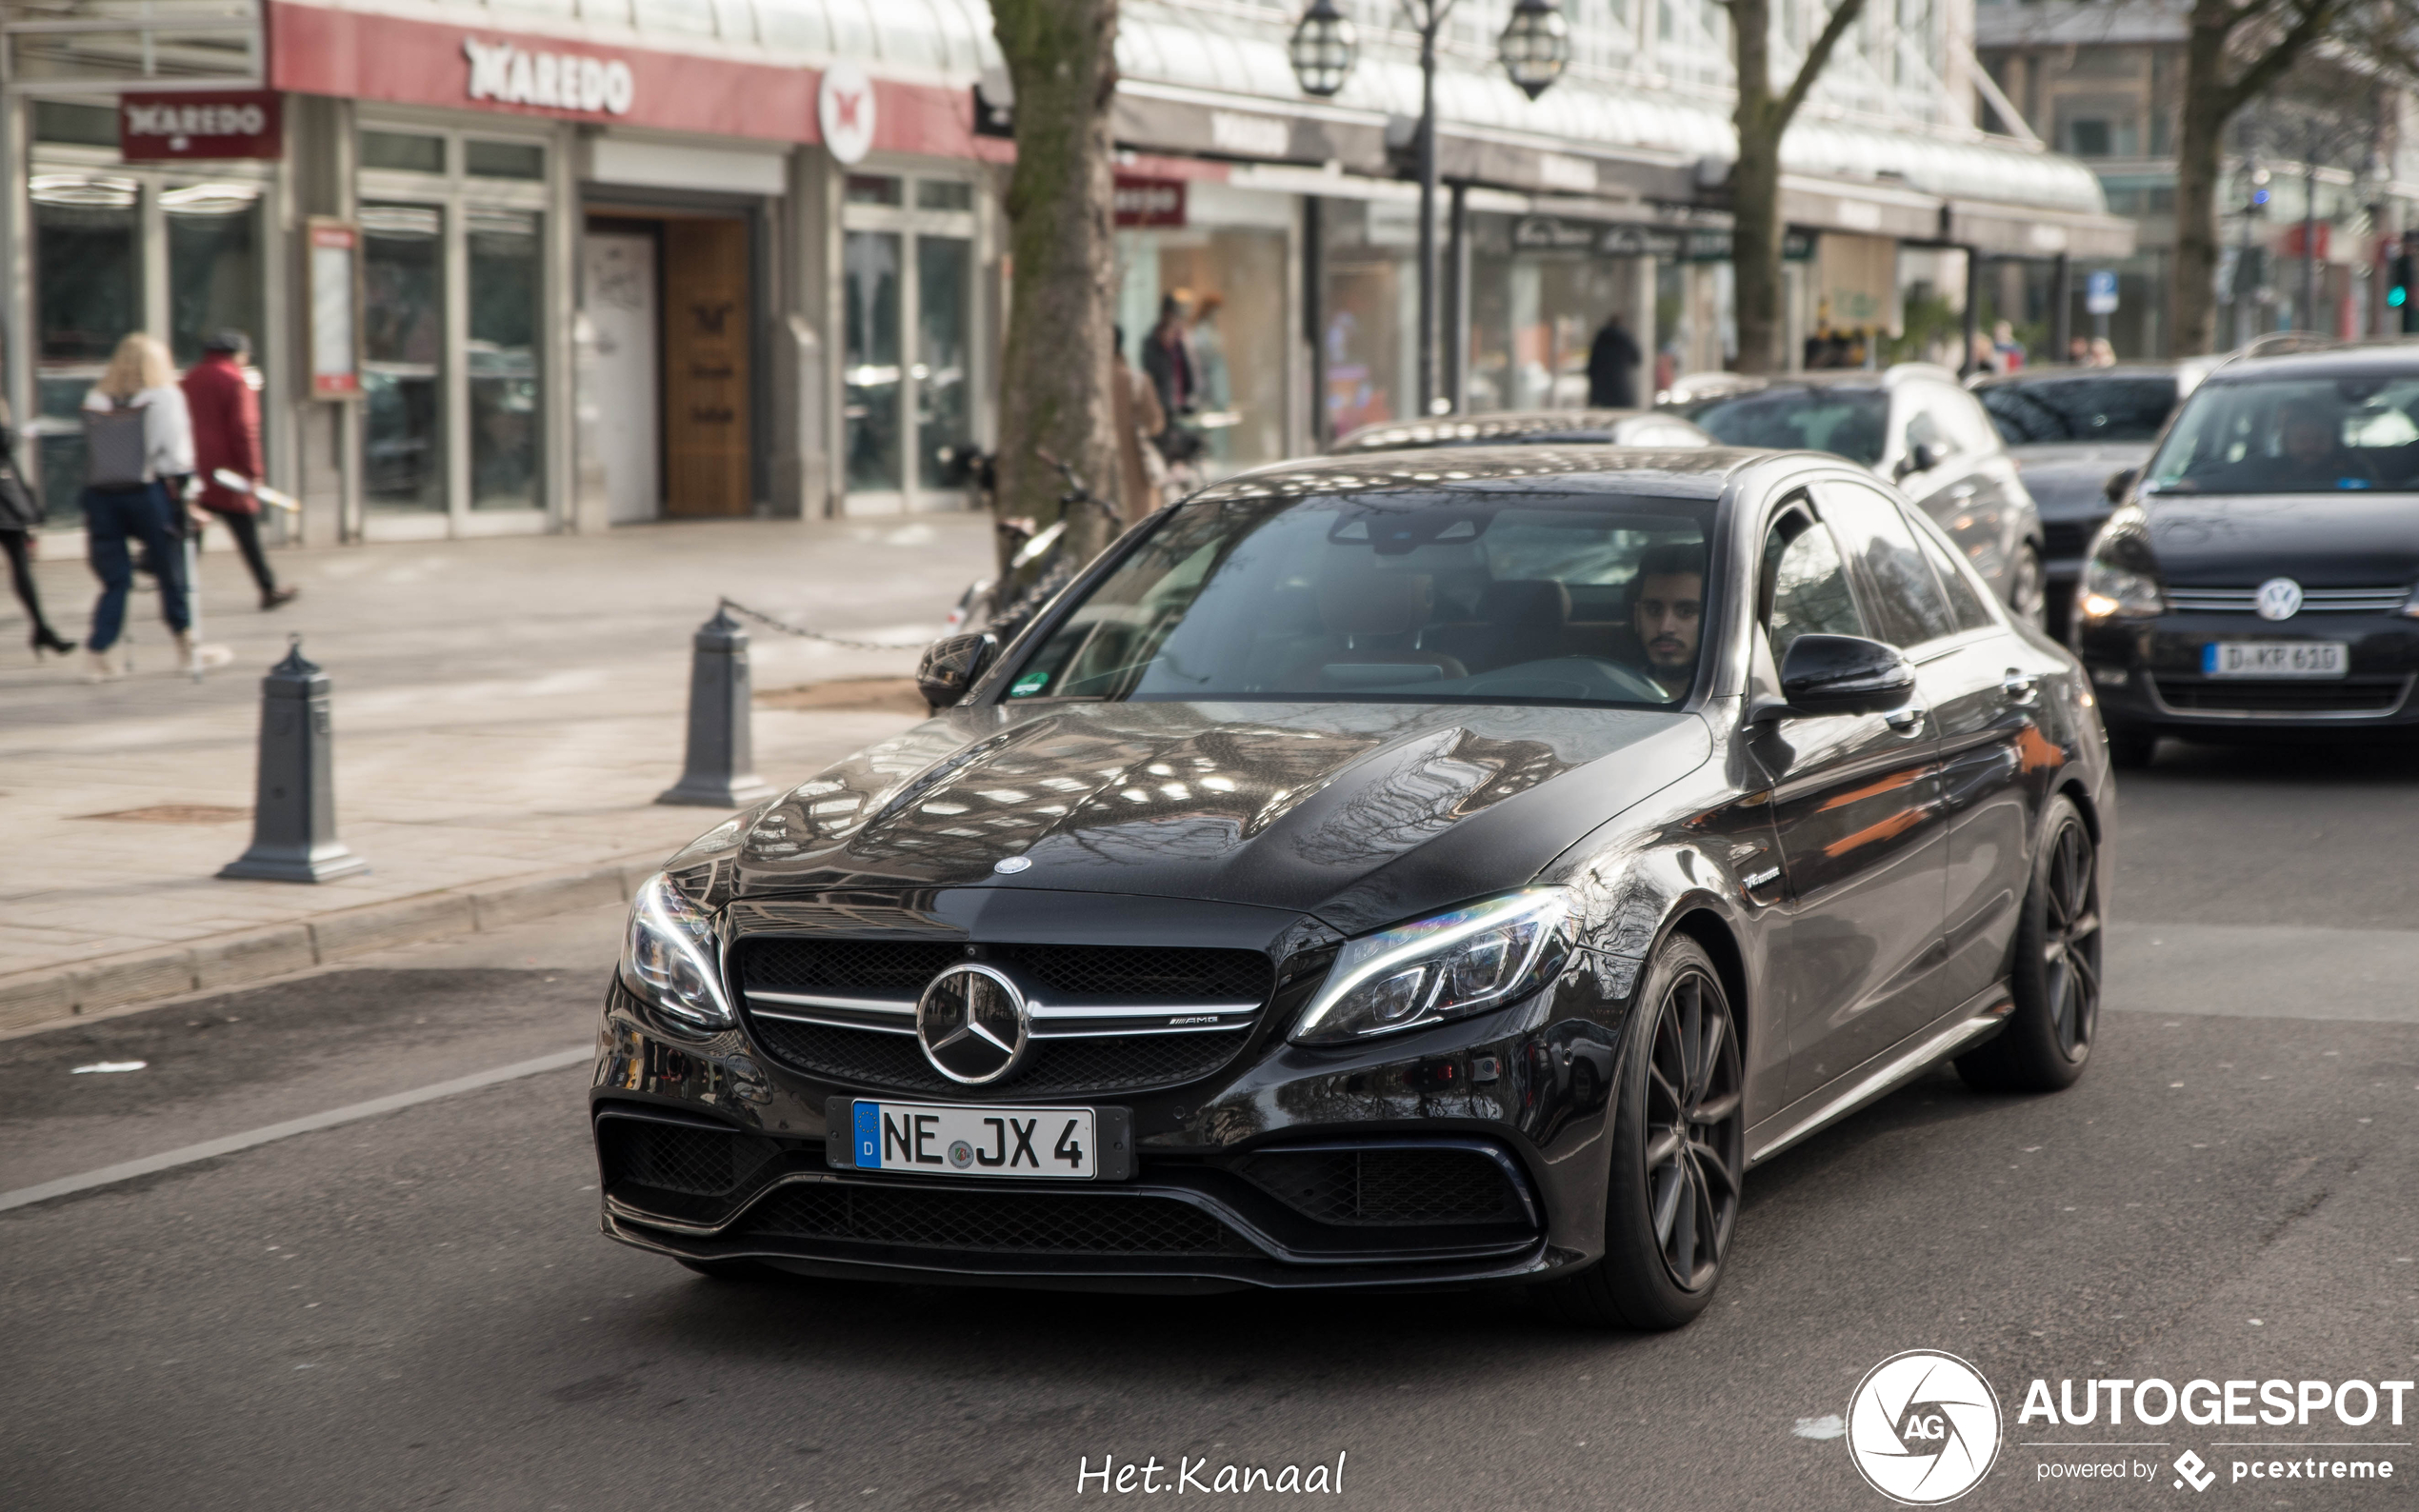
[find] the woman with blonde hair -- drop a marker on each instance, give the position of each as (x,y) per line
(138,450)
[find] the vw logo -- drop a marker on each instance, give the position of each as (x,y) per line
(973,1024)
(2279,598)
(1923,1427)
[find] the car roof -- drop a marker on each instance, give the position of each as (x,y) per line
(1692,472)
(2379,359)
(1732,383)
(1388,435)
(2067,373)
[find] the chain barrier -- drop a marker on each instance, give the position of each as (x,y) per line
(787,628)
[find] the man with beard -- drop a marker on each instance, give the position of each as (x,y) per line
(1666,612)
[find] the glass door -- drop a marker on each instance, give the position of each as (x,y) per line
(505,269)
(870,373)
(402,350)
(942,371)
(87,294)
(908,356)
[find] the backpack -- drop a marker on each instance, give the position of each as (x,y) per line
(116,454)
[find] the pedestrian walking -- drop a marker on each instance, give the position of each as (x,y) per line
(2103,352)
(1613,368)
(1168,357)
(20,512)
(1142,473)
(138,450)
(226,415)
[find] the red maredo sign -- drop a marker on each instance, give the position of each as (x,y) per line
(200,125)
(1149,201)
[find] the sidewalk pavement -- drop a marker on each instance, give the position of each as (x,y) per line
(505,711)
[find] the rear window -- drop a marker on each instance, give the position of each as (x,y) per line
(2306,435)
(1851,423)
(2056,410)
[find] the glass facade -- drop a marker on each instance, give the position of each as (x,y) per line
(403,357)
(870,275)
(1231,285)
(213,266)
(910,340)
(507,280)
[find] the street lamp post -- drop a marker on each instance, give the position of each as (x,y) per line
(1534,47)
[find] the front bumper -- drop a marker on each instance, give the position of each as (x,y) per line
(2147,673)
(1471,1152)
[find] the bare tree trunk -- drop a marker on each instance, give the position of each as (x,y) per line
(1762,119)
(1058,365)
(2208,106)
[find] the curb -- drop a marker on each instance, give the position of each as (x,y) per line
(53,994)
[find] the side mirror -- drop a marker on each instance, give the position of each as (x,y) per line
(2120,483)
(951,665)
(1840,674)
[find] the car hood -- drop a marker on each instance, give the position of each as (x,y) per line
(2352,539)
(2067,480)
(1361,814)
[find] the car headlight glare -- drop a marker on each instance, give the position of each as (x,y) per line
(2119,577)
(670,959)
(1448,965)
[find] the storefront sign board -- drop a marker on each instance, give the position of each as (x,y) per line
(1158,202)
(216,125)
(334,270)
(846,108)
(1670,243)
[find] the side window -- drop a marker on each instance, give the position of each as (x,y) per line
(1923,430)
(1805,584)
(1964,601)
(1970,426)
(1906,600)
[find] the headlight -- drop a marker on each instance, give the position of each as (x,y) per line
(1446,966)
(670,959)
(2121,578)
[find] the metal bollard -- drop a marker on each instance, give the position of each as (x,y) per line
(294,812)
(721,771)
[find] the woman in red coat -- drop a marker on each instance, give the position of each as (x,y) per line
(226,435)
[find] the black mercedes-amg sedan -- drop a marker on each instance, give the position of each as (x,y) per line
(1403,870)
(1527,427)
(2262,572)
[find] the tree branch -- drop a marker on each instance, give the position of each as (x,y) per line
(1817,56)
(2315,18)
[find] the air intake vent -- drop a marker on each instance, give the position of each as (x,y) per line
(1397,1186)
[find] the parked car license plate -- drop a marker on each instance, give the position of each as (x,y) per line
(2273,659)
(939,1139)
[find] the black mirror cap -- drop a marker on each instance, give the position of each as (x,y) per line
(2120,483)
(1845,674)
(950,667)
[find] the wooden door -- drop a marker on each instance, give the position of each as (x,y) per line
(706,321)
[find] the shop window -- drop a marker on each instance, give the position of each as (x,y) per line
(403,348)
(213,266)
(502,159)
(1229,284)
(874,188)
(403,151)
(944,421)
(870,267)
(2088,138)
(944,194)
(507,265)
(78,124)
(87,293)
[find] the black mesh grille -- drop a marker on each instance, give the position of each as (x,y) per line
(863,968)
(996,1222)
(1387,1187)
(862,1056)
(2316,696)
(2067,538)
(901,969)
(676,1158)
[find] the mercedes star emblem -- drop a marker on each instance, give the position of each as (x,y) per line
(2279,598)
(973,1024)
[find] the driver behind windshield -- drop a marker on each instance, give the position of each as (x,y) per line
(2309,454)
(1666,612)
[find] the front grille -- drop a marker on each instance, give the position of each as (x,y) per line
(900,969)
(1375,1187)
(680,1157)
(2385,600)
(2316,696)
(865,968)
(994,1223)
(868,1058)
(2067,538)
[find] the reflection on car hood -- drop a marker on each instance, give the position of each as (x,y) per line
(2067,480)
(1360,813)
(2354,539)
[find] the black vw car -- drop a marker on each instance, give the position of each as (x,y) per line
(1386,872)
(2263,572)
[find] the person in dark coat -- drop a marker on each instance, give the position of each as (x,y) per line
(20,512)
(1612,368)
(227,438)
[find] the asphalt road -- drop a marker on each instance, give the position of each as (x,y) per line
(415,1309)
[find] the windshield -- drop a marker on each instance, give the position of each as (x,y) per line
(2055,410)
(1851,423)
(2293,436)
(1397,597)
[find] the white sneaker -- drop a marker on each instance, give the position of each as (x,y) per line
(102,667)
(185,651)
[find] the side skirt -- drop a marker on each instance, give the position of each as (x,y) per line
(1971,1021)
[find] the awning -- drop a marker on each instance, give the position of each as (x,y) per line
(2003,232)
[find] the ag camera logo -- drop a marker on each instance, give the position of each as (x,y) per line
(1923,1427)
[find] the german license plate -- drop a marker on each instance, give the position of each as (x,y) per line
(2273,659)
(938,1140)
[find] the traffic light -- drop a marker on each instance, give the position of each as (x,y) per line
(2399,277)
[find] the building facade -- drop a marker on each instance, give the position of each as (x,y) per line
(533,265)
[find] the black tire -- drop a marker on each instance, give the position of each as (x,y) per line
(2029,588)
(2055,976)
(1679,1147)
(724,1269)
(2131,747)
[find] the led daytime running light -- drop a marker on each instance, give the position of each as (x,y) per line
(671,956)
(1427,943)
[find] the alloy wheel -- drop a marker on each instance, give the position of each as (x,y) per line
(2070,941)
(1694,1131)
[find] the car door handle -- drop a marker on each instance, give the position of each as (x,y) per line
(2018,685)
(1905,721)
